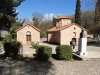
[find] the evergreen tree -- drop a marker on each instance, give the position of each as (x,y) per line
(54,21)
(78,13)
(8,12)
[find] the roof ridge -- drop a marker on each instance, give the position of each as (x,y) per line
(26,25)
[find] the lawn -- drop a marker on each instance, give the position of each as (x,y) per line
(91,40)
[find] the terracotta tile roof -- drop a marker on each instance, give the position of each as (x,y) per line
(63,17)
(26,25)
(59,28)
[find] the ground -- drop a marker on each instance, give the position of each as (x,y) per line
(51,67)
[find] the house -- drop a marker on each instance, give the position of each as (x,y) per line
(27,34)
(65,31)
(90,35)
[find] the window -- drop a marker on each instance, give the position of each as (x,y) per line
(28,37)
(74,28)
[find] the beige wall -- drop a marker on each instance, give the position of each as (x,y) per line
(63,22)
(67,35)
(21,34)
(53,36)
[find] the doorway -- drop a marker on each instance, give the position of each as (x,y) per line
(28,38)
(74,40)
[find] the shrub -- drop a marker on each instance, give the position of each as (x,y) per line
(64,52)
(34,45)
(44,52)
(12,48)
(7,38)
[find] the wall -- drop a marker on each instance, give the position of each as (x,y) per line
(65,21)
(51,36)
(67,35)
(21,36)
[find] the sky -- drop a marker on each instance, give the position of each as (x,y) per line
(48,8)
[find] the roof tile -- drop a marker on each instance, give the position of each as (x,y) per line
(63,17)
(26,25)
(59,28)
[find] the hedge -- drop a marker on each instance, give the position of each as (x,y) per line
(43,52)
(64,52)
(12,48)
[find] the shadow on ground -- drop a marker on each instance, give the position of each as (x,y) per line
(52,43)
(8,67)
(93,43)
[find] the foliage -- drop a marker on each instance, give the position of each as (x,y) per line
(8,11)
(42,34)
(14,26)
(1,15)
(64,52)
(97,17)
(78,13)
(87,26)
(7,38)
(54,21)
(44,52)
(12,48)
(34,45)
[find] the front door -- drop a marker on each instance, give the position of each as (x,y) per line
(74,40)
(28,39)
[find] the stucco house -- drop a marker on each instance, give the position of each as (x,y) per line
(65,31)
(27,34)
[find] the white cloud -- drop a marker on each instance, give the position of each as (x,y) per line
(48,16)
(59,14)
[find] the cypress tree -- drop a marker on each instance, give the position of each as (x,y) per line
(78,13)
(54,21)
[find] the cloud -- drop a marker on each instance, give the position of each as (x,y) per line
(59,14)
(48,17)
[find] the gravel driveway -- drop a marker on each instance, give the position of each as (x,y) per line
(50,68)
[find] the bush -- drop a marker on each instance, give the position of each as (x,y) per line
(12,48)
(64,52)
(44,52)
(7,38)
(34,45)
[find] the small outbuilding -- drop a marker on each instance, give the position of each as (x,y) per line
(65,31)
(27,34)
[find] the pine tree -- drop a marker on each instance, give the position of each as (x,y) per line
(54,22)
(78,13)
(8,12)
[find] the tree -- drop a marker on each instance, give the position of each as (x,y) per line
(8,12)
(97,17)
(54,21)
(37,18)
(87,26)
(78,13)
(14,26)
(35,21)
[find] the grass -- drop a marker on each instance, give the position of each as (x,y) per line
(91,40)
